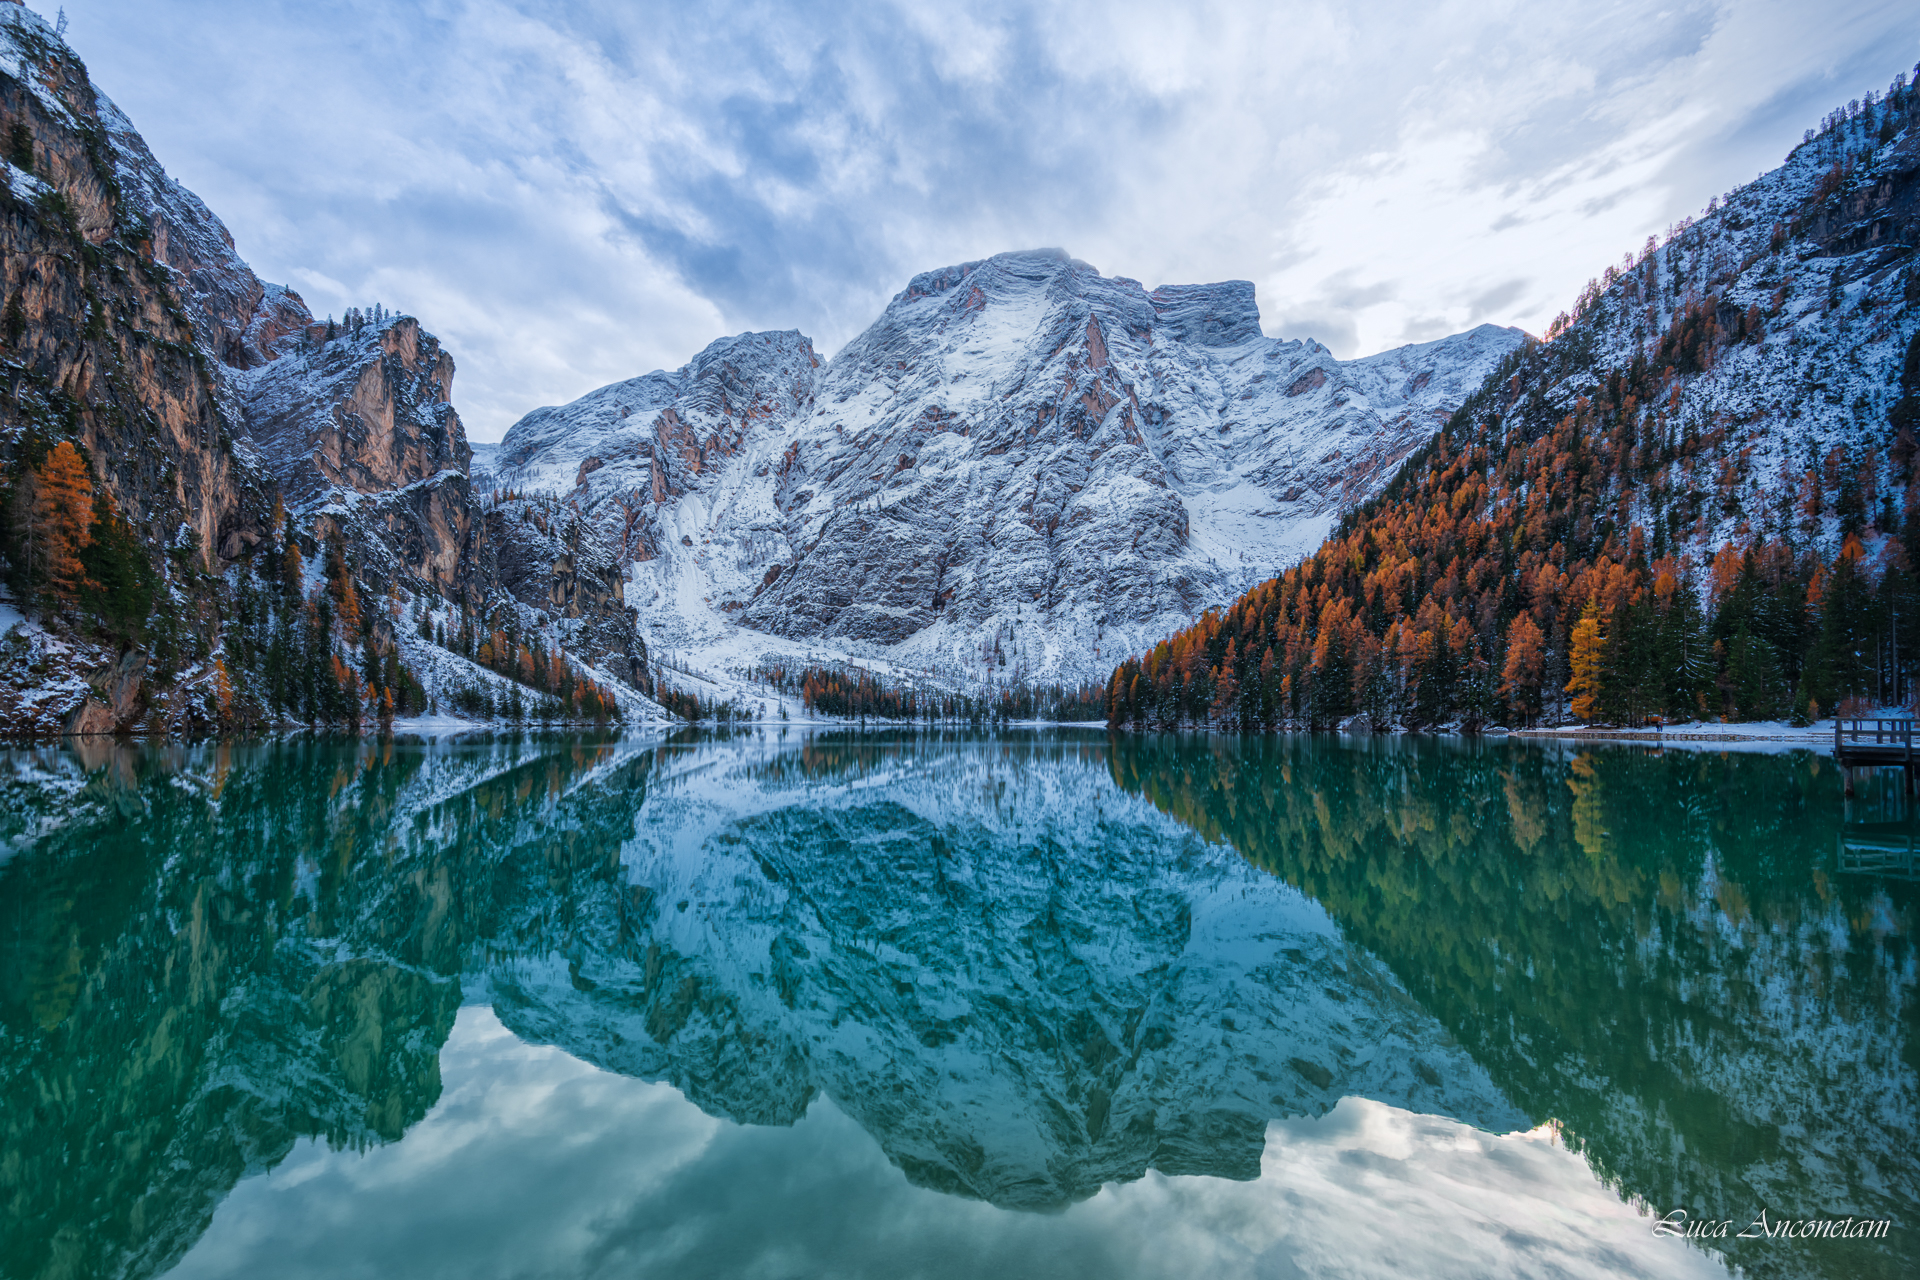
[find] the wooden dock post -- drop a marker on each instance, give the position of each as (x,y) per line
(1890,747)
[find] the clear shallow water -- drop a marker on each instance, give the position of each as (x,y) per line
(889,1005)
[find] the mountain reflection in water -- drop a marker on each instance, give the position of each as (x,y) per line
(1026,966)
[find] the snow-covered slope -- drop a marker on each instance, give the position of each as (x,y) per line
(1021,468)
(1778,325)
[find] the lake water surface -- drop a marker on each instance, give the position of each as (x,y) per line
(1033,1004)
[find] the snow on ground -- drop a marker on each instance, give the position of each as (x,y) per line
(1242,529)
(441,671)
(437,724)
(10,617)
(1751,736)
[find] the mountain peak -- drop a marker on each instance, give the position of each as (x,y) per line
(1209,315)
(1021,464)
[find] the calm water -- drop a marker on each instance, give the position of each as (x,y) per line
(1043,1005)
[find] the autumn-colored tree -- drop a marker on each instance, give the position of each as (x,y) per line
(1589,659)
(1526,668)
(60,522)
(346,598)
(222,691)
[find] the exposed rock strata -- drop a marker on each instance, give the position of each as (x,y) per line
(130,300)
(1020,456)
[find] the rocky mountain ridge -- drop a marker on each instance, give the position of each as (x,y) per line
(217,419)
(1696,499)
(1023,465)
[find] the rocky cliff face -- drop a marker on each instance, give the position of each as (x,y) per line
(127,301)
(201,397)
(360,435)
(359,432)
(1021,456)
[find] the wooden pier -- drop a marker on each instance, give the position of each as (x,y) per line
(1874,744)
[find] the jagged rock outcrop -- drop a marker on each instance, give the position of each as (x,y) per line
(201,397)
(627,449)
(565,573)
(1020,455)
(362,439)
(360,432)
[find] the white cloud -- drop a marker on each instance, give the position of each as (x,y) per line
(570,194)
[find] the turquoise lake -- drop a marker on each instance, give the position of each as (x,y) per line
(905,1004)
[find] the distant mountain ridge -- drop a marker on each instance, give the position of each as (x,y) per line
(1020,466)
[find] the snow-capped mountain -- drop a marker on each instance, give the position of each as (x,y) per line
(1022,468)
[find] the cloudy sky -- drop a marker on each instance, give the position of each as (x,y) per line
(573,193)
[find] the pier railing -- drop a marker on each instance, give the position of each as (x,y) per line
(1884,732)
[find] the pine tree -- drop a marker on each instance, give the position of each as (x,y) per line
(1479,699)
(1844,647)
(20,147)
(1630,673)
(120,582)
(1331,688)
(1685,654)
(1434,674)
(1753,677)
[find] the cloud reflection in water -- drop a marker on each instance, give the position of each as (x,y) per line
(534,1163)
